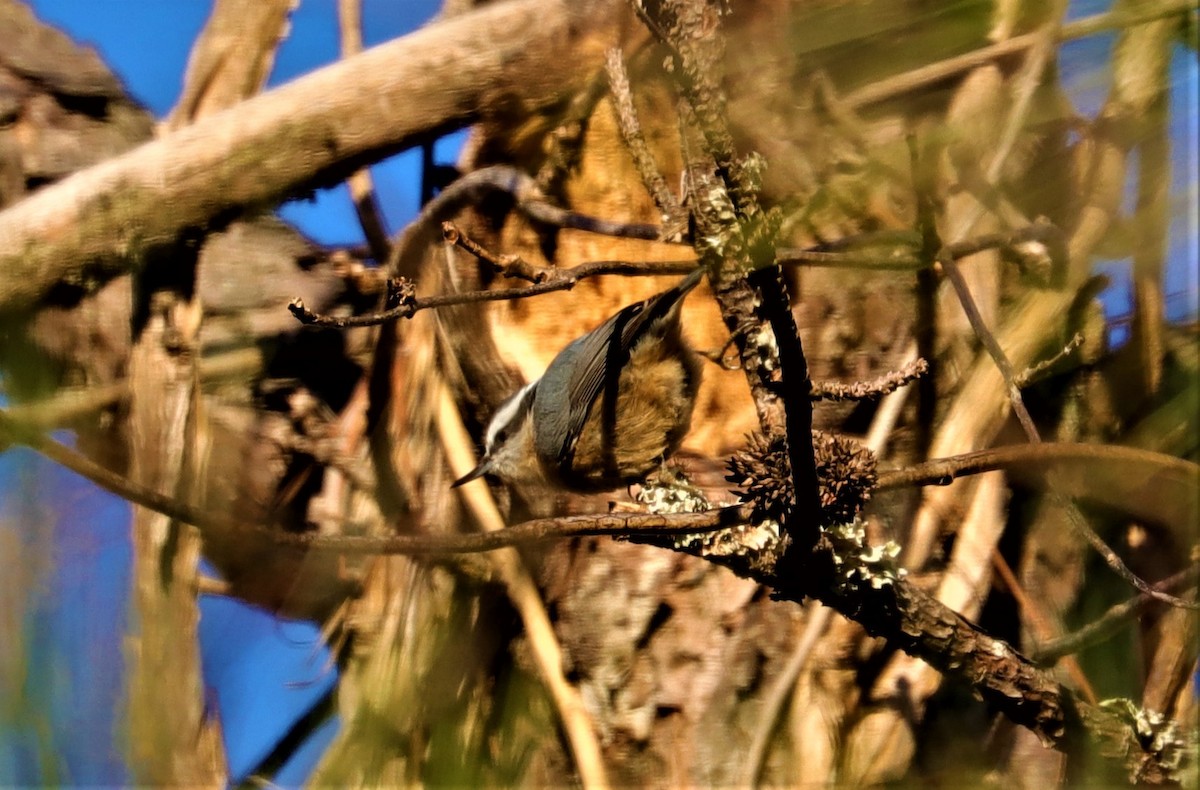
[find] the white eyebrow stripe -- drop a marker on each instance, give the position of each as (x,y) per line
(505,414)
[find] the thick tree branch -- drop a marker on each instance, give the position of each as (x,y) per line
(735,239)
(312,132)
(863,585)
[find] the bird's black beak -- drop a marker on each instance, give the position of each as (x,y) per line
(479,471)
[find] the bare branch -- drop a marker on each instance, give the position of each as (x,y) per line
(617,525)
(563,281)
(1112,620)
(1039,369)
(548,280)
(943,471)
(614,524)
(870,390)
(104,220)
(507,265)
(946,260)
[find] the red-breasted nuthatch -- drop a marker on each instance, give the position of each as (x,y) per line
(610,409)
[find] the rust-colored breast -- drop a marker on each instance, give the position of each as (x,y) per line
(655,394)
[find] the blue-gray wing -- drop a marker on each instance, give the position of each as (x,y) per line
(581,370)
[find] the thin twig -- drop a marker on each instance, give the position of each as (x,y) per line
(617,525)
(548,280)
(1038,370)
(870,390)
(888,413)
(1113,561)
(954,274)
(529,200)
(943,471)
(898,259)
(614,524)
(507,265)
(560,280)
(1041,232)
(549,214)
(1112,620)
(884,250)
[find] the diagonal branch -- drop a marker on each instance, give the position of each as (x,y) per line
(312,132)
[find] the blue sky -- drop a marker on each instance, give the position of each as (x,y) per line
(262,672)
